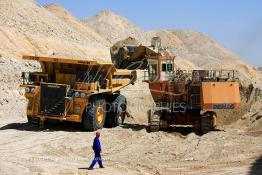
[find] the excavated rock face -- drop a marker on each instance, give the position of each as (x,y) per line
(27,28)
(12,101)
(252,101)
(248,114)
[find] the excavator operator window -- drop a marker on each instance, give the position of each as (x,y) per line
(167,70)
(152,70)
(167,67)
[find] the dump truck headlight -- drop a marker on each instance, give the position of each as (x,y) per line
(82,95)
(27,89)
(76,94)
(33,90)
(26,75)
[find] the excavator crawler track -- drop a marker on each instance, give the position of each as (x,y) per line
(153,121)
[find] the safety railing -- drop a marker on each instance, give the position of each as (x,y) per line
(195,76)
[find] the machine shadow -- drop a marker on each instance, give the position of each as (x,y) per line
(134,127)
(49,127)
(52,126)
(184,131)
(256,168)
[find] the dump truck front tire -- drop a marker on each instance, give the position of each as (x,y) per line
(94,115)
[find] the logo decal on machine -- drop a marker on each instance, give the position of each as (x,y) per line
(223,106)
(53,86)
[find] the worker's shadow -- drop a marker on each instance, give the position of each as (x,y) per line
(84,168)
(256,168)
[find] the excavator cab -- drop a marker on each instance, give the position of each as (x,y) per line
(160,69)
(152,70)
(167,70)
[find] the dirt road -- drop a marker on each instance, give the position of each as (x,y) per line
(64,149)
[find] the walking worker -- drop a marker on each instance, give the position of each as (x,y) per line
(97,151)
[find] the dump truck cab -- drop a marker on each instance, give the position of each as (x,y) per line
(76,90)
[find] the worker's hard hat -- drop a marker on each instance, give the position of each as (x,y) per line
(97,134)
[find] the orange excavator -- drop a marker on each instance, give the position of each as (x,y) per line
(182,98)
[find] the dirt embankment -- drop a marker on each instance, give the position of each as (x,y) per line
(28,28)
(12,101)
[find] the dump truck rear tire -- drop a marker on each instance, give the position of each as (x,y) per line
(118,111)
(94,115)
(207,122)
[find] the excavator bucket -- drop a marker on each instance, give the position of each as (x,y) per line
(130,54)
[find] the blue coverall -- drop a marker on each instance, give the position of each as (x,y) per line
(97,151)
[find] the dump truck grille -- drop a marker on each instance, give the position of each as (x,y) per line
(52,100)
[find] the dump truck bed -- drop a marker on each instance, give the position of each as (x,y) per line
(65,71)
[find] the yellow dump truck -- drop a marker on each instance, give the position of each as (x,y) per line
(76,90)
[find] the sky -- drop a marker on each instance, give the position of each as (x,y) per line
(236,24)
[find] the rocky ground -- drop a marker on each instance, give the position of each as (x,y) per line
(66,149)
